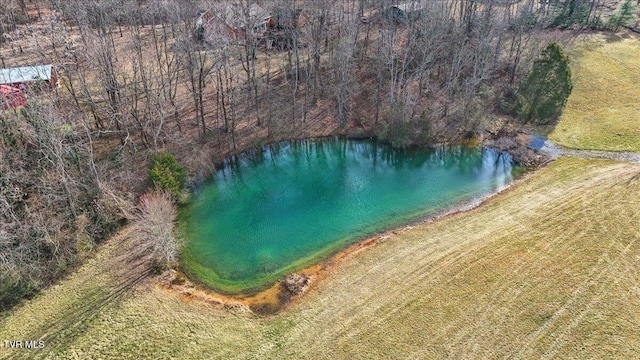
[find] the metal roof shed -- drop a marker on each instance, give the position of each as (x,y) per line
(28,74)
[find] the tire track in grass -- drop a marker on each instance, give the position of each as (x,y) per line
(489,301)
(610,270)
(595,278)
(560,338)
(563,245)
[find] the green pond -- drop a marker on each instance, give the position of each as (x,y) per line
(279,209)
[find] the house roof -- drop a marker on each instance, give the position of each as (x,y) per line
(234,15)
(25,74)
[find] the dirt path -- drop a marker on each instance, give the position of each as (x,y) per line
(553,150)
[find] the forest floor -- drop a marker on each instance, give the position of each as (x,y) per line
(548,268)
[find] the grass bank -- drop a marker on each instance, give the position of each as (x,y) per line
(602,112)
(546,269)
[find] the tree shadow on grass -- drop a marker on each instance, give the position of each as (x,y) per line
(131,267)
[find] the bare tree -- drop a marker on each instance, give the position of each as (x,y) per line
(155,228)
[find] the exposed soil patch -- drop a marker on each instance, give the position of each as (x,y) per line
(516,145)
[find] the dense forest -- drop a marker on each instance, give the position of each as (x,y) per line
(148,80)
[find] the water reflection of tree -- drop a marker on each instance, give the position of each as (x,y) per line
(333,159)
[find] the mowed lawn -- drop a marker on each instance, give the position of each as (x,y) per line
(603,111)
(549,268)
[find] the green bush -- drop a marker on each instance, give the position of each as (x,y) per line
(11,291)
(544,91)
(166,174)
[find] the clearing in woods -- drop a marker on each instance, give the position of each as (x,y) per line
(549,268)
(602,112)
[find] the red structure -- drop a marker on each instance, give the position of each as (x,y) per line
(11,97)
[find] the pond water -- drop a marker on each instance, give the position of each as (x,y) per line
(284,207)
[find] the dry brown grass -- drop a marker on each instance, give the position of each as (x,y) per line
(548,269)
(602,112)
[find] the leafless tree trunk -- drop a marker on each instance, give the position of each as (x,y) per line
(155,228)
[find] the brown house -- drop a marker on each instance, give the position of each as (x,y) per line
(233,22)
(287,24)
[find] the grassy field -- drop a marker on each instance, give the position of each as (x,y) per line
(602,112)
(547,269)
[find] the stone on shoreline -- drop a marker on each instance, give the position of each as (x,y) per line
(296,283)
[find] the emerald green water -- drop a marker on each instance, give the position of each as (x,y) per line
(282,208)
